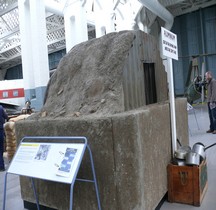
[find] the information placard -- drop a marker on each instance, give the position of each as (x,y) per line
(57,162)
(169,44)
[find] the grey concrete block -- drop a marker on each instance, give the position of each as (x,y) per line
(131,151)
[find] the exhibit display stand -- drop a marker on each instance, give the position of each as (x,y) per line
(55,159)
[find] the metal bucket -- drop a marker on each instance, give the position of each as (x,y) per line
(192,158)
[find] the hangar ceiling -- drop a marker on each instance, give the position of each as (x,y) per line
(10,45)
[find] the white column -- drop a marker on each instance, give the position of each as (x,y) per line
(100,28)
(124,20)
(127,15)
(104,20)
(39,43)
(75,24)
(109,19)
(26,40)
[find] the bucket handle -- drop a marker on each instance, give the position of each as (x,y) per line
(210,146)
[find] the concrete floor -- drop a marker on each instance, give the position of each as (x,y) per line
(198,124)
(198,133)
(13,199)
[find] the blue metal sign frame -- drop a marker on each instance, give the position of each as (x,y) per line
(61,139)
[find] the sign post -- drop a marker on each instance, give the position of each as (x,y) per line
(170,50)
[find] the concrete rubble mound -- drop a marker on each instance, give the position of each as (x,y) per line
(88,80)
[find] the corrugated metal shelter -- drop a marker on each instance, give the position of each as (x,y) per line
(145,79)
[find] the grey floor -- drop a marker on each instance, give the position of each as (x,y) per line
(13,199)
(198,124)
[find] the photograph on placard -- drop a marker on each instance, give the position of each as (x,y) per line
(67,162)
(42,152)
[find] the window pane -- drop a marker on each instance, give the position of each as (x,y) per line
(5,94)
(15,93)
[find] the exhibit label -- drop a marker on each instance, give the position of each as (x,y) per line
(169,44)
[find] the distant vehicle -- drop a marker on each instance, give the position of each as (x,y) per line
(12,93)
(11,109)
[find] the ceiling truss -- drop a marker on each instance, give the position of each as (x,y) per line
(10,43)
